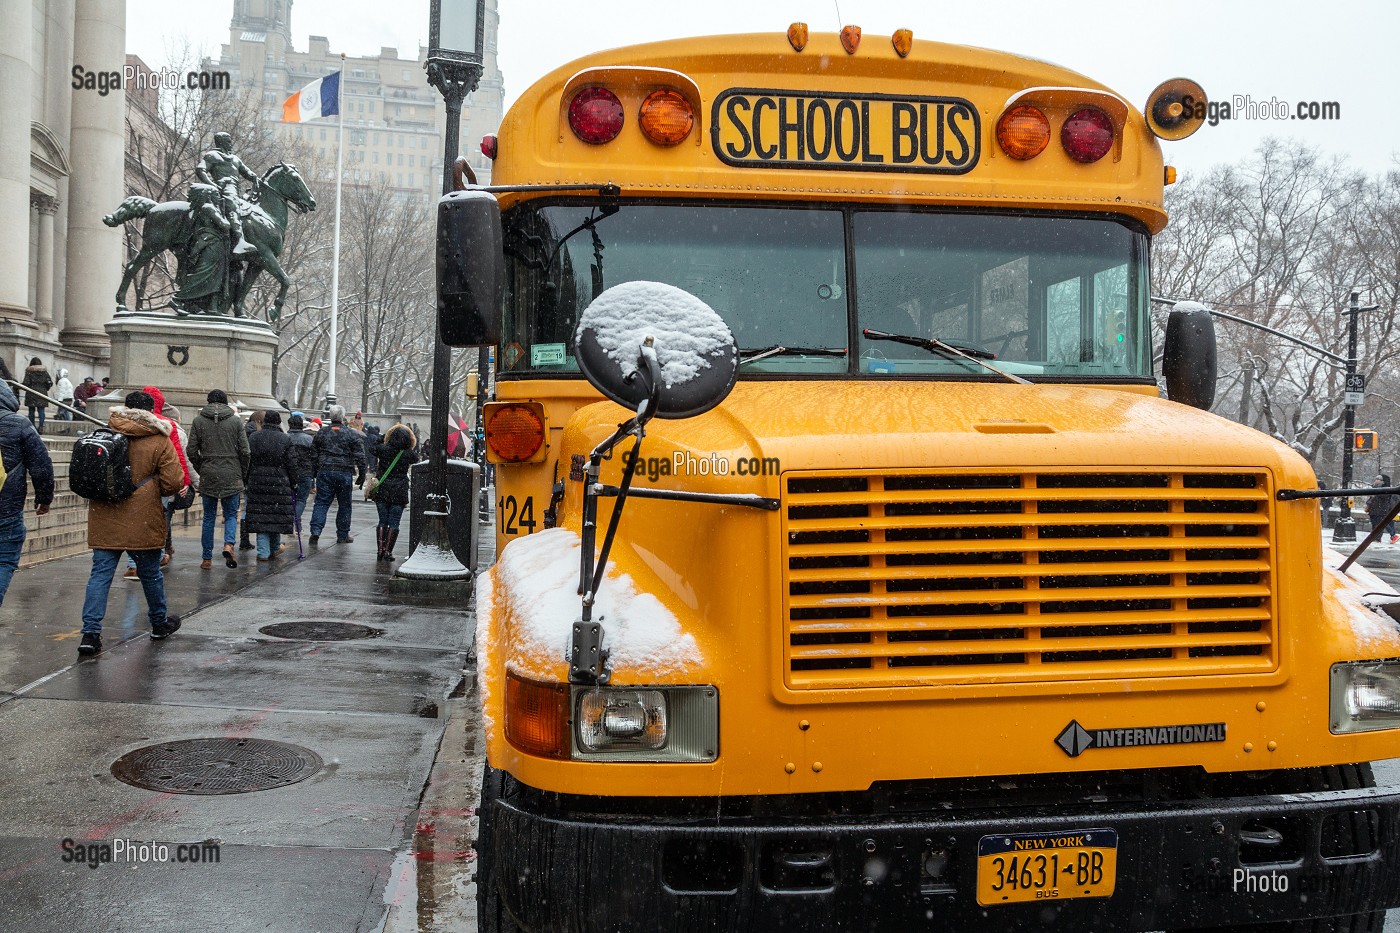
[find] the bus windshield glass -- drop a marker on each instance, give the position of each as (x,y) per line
(1050,296)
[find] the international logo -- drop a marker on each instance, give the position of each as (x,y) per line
(1075,739)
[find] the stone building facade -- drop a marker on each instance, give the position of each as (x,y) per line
(394,121)
(61,169)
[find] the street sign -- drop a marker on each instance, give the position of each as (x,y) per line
(1354,398)
(1356,382)
(1363,440)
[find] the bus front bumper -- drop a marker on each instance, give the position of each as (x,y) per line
(1179,865)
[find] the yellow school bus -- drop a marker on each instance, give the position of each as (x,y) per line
(940,617)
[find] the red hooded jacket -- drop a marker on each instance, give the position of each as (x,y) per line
(156,394)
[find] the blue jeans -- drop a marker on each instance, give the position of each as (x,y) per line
(268,544)
(40,409)
(104,565)
(337,486)
(211,506)
(11,544)
(389,515)
(303,492)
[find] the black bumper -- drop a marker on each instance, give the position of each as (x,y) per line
(1304,855)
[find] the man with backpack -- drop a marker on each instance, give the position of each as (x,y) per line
(23,453)
(132,521)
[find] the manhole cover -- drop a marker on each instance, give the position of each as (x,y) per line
(320,630)
(216,766)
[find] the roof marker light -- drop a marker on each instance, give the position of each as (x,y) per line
(797,36)
(903,41)
(850,39)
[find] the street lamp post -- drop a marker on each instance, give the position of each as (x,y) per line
(456,30)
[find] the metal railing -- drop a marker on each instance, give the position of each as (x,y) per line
(21,387)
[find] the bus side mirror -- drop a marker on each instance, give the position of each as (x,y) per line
(469,269)
(1188,357)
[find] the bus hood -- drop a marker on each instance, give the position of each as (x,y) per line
(819,425)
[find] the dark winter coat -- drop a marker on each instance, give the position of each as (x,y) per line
(302,454)
(1378,507)
(270,483)
(24,453)
(398,442)
(38,379)
(372,439)
(218,450)
(339,450)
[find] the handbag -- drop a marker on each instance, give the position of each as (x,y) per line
(373,483)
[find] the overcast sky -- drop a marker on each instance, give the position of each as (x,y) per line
(1341,51)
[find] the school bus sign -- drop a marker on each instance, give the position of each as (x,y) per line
(755,127)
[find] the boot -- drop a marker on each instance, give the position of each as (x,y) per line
(392,536)
(380,536)
(241,247)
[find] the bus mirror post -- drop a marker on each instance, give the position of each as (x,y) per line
(469,269)
(1188,358)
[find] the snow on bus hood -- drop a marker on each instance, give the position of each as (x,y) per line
(539,574)
(1362,593)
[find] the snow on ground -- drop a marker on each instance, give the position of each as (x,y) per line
(539,576)
(1361,591)
(688,332)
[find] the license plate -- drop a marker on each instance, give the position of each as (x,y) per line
(1022,867)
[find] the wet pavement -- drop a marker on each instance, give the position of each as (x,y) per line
(334,851)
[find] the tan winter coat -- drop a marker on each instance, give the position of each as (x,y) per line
(138,522)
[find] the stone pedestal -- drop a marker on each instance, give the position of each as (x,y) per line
(185,357)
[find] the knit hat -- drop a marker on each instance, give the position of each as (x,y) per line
(272,417)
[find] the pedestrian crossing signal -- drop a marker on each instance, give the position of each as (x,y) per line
(1363,440)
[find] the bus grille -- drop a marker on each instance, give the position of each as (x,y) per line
(940,578)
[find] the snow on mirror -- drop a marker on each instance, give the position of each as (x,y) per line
(697,355)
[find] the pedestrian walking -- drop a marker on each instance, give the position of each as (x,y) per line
(177,441)
(24,455)
(37,378)
(136,524)
(393,457)
(271,487)
(373,438)
(303,455)
(1378,507)
(339,456)
(251,426)
(218,449)
(63,391)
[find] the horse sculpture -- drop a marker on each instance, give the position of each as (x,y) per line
(170,225)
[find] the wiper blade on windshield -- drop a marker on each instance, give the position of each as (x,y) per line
(969,352)
(749,354)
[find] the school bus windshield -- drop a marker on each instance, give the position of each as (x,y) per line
(1057,297)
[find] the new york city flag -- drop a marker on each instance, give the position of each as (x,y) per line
(320,98)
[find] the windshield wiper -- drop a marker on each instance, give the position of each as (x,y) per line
(969,352)
(749,354)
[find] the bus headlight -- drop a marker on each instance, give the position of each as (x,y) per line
(1365,696)
(646,724)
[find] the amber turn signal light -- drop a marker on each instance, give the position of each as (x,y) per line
(850,39)
(514,431)
(903,41)
(537,717)
(1023,132)
(666,117)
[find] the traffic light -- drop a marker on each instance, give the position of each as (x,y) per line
(1363,440)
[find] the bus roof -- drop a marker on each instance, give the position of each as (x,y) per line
(820,124)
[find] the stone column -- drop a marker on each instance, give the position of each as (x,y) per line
(96,186)
(16,77)
(47,206)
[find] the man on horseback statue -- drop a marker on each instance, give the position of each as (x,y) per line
(222,168)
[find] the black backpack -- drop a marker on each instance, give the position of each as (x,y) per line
(101,467)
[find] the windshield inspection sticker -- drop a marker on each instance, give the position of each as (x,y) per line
(547,354)
(1075,739)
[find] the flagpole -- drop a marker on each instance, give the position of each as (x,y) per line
(335,249)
